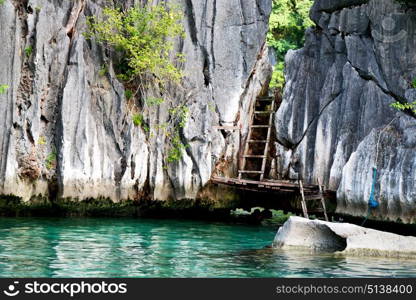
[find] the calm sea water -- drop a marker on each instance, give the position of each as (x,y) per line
(165,248)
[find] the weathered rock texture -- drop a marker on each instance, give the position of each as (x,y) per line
(345,238)
(358,60)
(66,130)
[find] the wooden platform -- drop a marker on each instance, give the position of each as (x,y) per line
(256,155)
(273,186)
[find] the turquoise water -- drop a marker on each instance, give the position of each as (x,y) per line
(165,248)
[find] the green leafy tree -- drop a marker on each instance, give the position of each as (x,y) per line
(143,38)
(143,41)
(288,21)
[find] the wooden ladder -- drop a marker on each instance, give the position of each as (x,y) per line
(312,197)
(250,140)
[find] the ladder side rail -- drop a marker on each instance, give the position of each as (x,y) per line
(304,207)
(247,144)
(321,191)
(266,148)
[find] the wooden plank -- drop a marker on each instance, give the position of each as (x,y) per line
(284,184)
(252,186)
(304,207)
(281,180)
(288,191)
(293,183)
(265,99)
(259,126)
(313,197)
(281,184)
(257,141)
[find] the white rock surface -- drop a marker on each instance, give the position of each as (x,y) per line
(344,238)
(59,108)
(336,105)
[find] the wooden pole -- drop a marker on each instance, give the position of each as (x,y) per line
(323,200)
(304,207)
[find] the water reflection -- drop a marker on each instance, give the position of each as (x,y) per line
(160,248)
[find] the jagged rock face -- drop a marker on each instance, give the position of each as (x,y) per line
(66,130)
(336,111)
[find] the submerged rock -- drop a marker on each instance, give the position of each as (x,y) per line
(344,238)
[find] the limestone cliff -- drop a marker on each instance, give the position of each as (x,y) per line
(66,131)
(336,123)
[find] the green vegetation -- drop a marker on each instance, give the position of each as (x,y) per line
(414,83)
(405,106)
(128,94)
(154,101)
(42,140)
(28,51)
(179,117)
(411,106)
(42,206)
(288,21)
(175,151)
(2,1)
(278,218)
(211,106)
(142,39)
(50,161)
(103,70)
(138,120)
(3,88)
(142,35)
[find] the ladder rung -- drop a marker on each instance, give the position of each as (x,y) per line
(313,197)
(263,112)
(260,126)
(250,172)
(257,141)
(265,99)
(254,156)
(316,210)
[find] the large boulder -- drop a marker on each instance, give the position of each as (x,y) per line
(345,238)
